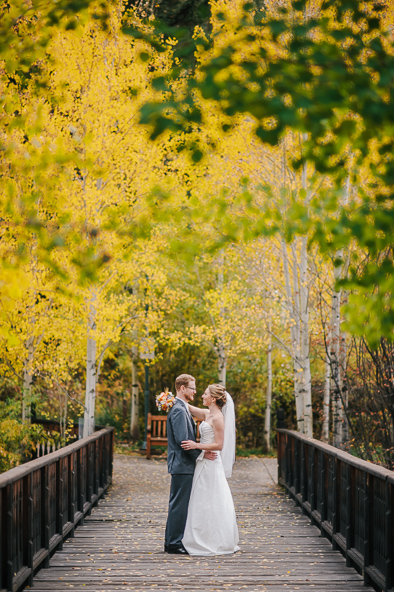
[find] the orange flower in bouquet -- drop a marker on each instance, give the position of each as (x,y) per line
(165,401)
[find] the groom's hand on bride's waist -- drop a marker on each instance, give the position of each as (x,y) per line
(210,455)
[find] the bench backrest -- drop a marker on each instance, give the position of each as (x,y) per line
(157,424)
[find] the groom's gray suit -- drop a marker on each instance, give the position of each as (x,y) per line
(181,465)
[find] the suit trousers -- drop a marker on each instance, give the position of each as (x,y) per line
(181,486)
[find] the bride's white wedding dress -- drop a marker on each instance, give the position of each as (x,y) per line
(211,527)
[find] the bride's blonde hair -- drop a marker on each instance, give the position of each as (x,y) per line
(218,392)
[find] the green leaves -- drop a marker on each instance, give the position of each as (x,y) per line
(269,136)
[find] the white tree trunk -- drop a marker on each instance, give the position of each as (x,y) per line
(304,319)
(338,342)
(27,381)
(297,352)
(134,420)
(343,341)
(305,375)
(342,366)
(62,412)
(221,348)
(267,421)
(325,436)
(294,321)
(334,357)
(91,372)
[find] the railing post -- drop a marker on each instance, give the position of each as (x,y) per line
(296,465)
(350,496)
(106,460)
(388,535)
(110,455)
(100,468)
(285,458)
(28,519)
(280,424)
(106,447)
(312,478)
(81,479)
(96,468)
(45,511)
(11,536)
(304,474)
(289,460)
(89,476)
(59,500)
(2,534)
(322,478)
(303,484)
(368,496)
(279,438)
(336,498)
(72,491)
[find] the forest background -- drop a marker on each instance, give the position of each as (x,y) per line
(207,183)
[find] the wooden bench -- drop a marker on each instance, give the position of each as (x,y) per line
(157,432)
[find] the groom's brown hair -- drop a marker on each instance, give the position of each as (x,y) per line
(183,380)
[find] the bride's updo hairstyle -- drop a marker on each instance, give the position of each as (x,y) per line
(218,392)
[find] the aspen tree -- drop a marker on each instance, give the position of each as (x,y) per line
(285,186)
(29,166)
(229,308)
(326,402)
(24,323)
(337,345)
(220,347)
(98,79)
(312,69)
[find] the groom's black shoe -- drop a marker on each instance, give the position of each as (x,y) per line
(176,550)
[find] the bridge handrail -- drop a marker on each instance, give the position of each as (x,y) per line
(349,499)
(44,500)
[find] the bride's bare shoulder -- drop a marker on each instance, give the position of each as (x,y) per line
(218,420)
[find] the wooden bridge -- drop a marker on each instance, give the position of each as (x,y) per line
(119,545)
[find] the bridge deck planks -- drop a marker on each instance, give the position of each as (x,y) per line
(120,547)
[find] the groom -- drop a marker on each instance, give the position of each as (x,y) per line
(181,463)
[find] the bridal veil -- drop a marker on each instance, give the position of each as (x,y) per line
(228,451)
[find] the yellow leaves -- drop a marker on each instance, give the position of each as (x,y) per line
(12,283)
(85,147)
(11,339)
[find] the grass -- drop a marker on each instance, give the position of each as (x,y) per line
(254,452)
(127,448)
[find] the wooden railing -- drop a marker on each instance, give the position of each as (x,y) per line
(44,500)
(350,500)
(52,425)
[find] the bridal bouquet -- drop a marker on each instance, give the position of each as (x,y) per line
(165,400)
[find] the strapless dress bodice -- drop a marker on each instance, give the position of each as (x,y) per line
(207,435)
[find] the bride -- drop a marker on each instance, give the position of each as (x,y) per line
(211,527)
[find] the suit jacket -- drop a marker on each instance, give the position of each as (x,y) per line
(180,426)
